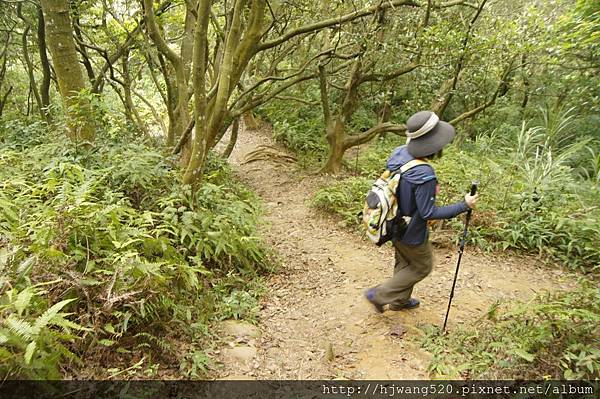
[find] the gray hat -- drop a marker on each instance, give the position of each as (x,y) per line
(427,134)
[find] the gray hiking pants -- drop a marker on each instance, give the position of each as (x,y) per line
(412,264)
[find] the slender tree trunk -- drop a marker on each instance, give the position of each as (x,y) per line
(30,74)
(233,140)
(181,66)
(28,62)
(45,64)
(4,99)
(59,36)
(85,58)
(153,110)
(443,105)
(171,99)
(336,125)
(526,85)
(132,112)
(195,165)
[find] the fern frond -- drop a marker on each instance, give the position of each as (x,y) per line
(21,328)
(49,315)
(23,300)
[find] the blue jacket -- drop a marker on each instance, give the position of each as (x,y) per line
(416,192)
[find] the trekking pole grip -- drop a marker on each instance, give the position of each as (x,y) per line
(474,185)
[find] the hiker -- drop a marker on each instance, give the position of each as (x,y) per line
(416,193)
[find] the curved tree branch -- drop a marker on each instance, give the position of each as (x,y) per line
(334,21)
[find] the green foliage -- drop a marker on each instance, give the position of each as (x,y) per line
(553,336)
(343,198)
(18,134)
(297,125)
(136,255)
(34,336)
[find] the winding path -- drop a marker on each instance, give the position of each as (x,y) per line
(314,323)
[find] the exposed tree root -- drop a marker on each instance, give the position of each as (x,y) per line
(270,154)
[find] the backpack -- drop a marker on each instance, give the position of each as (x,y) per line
(380,216)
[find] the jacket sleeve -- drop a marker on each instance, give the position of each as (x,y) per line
(425,198)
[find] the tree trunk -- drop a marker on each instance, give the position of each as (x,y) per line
(4,100)
(130,108)
(336,125)
(233,140)
(28,63)
(336,134)
(195,165)
(30,74)
(59,36)
(180,64)
(85,58)
(45,84)
(250,121)
(170,99)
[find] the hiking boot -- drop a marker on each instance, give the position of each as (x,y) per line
(370,295)
(410,304)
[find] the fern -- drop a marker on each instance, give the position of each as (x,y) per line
(31,346)
(49,315)
(21,328)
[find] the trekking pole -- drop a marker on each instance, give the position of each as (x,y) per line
(460,252)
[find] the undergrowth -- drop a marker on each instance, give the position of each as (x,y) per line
(298,126)
(553,336)
(104,254)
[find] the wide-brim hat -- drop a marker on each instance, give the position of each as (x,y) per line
(427,134)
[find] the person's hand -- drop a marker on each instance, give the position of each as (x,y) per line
(471,200)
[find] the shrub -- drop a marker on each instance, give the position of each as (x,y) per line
(111,234)
(34,336)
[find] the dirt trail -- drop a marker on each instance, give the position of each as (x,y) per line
(315,324)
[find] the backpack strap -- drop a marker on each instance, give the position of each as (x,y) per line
(412,164)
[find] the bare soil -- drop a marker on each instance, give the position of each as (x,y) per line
(315,323)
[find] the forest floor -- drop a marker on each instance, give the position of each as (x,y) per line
(314,322)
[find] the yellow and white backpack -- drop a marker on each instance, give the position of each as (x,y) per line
(381,205)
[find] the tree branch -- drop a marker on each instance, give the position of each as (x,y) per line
(281,78)
(392,75)
(447,95)
(500,90)
(259,100)
(365,137)
(155,34)
(110,60)
(324,95)
(184,137)
(298,99)
(334,21)
(227,69)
